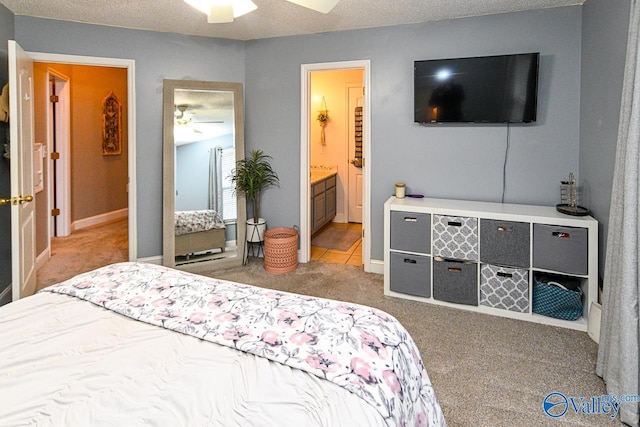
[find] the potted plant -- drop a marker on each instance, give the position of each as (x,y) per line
(251,176)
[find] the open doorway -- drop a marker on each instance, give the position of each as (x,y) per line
(86,209)
(335,142)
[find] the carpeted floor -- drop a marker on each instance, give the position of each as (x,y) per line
(486,370)
(85,250)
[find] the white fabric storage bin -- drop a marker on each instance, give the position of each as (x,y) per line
(505,288)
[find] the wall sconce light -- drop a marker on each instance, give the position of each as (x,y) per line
(323,118)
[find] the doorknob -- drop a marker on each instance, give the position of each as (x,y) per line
(16,200)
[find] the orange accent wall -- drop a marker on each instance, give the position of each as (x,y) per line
(98,183)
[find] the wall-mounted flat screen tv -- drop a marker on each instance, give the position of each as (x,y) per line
(489,89)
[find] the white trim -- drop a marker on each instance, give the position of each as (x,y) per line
(99,219)
(43,257)
(129,64)
(63,169)
(377,266)
(305,226)
(157,260)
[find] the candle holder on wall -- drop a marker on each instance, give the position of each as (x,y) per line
(569,198)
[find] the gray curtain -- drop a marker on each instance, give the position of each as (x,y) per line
(215,180)
(618,354)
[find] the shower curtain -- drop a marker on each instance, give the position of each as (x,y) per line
(618,355)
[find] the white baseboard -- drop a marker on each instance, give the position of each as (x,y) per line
(99,219)
(151,260)
(377,266)
(43,257)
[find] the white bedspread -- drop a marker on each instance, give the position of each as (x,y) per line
(67,362)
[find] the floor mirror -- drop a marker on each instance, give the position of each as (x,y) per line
(204,219)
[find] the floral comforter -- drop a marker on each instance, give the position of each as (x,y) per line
(361,349)
(199,220)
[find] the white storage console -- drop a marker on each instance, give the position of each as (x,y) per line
(484,257)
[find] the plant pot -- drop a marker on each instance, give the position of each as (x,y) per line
(255,232)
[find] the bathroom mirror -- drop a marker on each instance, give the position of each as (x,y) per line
(204,219)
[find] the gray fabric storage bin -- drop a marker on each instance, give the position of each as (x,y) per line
(455,281)
(455,237)
(505,288)
(411,231)
(410,274)
(505,242)
(561,249)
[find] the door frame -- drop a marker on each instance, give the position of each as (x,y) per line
(129,65)
(305,114)
(62,196)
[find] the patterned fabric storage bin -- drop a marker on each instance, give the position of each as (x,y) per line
(455,237)
(505,288)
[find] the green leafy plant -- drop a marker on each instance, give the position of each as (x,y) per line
(252,175)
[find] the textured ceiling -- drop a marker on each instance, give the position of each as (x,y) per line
(274,18)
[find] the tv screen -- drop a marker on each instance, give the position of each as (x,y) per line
(490,89)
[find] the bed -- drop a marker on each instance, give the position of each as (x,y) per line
(198,231)
(143,345)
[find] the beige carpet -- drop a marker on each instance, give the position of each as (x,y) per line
(85,250)
(486,370)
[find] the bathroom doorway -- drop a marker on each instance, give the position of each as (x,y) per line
(338,148)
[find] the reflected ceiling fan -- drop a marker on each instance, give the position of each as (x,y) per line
(185,119)
(224,11)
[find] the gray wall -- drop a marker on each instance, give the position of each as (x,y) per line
(457,162)
(463,162)
(158,56)
(6,33)
(604,42)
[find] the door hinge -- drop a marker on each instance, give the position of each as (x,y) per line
(363,233)
(54,98)
(55,212)
(55,155)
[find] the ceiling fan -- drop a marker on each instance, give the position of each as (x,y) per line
(185,119)
(224,11)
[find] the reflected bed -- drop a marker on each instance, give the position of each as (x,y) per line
(198,231)
(140,344)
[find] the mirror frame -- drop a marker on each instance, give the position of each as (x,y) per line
(168,174)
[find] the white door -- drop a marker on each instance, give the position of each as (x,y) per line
(23,226)
(355,114)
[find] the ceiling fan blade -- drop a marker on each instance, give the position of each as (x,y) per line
(322,6)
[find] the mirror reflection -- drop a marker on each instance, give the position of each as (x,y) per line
(203,139)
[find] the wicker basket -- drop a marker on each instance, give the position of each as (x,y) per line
(280,250)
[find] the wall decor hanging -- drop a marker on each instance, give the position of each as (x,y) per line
(111,125)
(323,118)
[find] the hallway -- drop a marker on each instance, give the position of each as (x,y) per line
(85,250)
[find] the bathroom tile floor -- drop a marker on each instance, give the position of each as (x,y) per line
(352,256)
